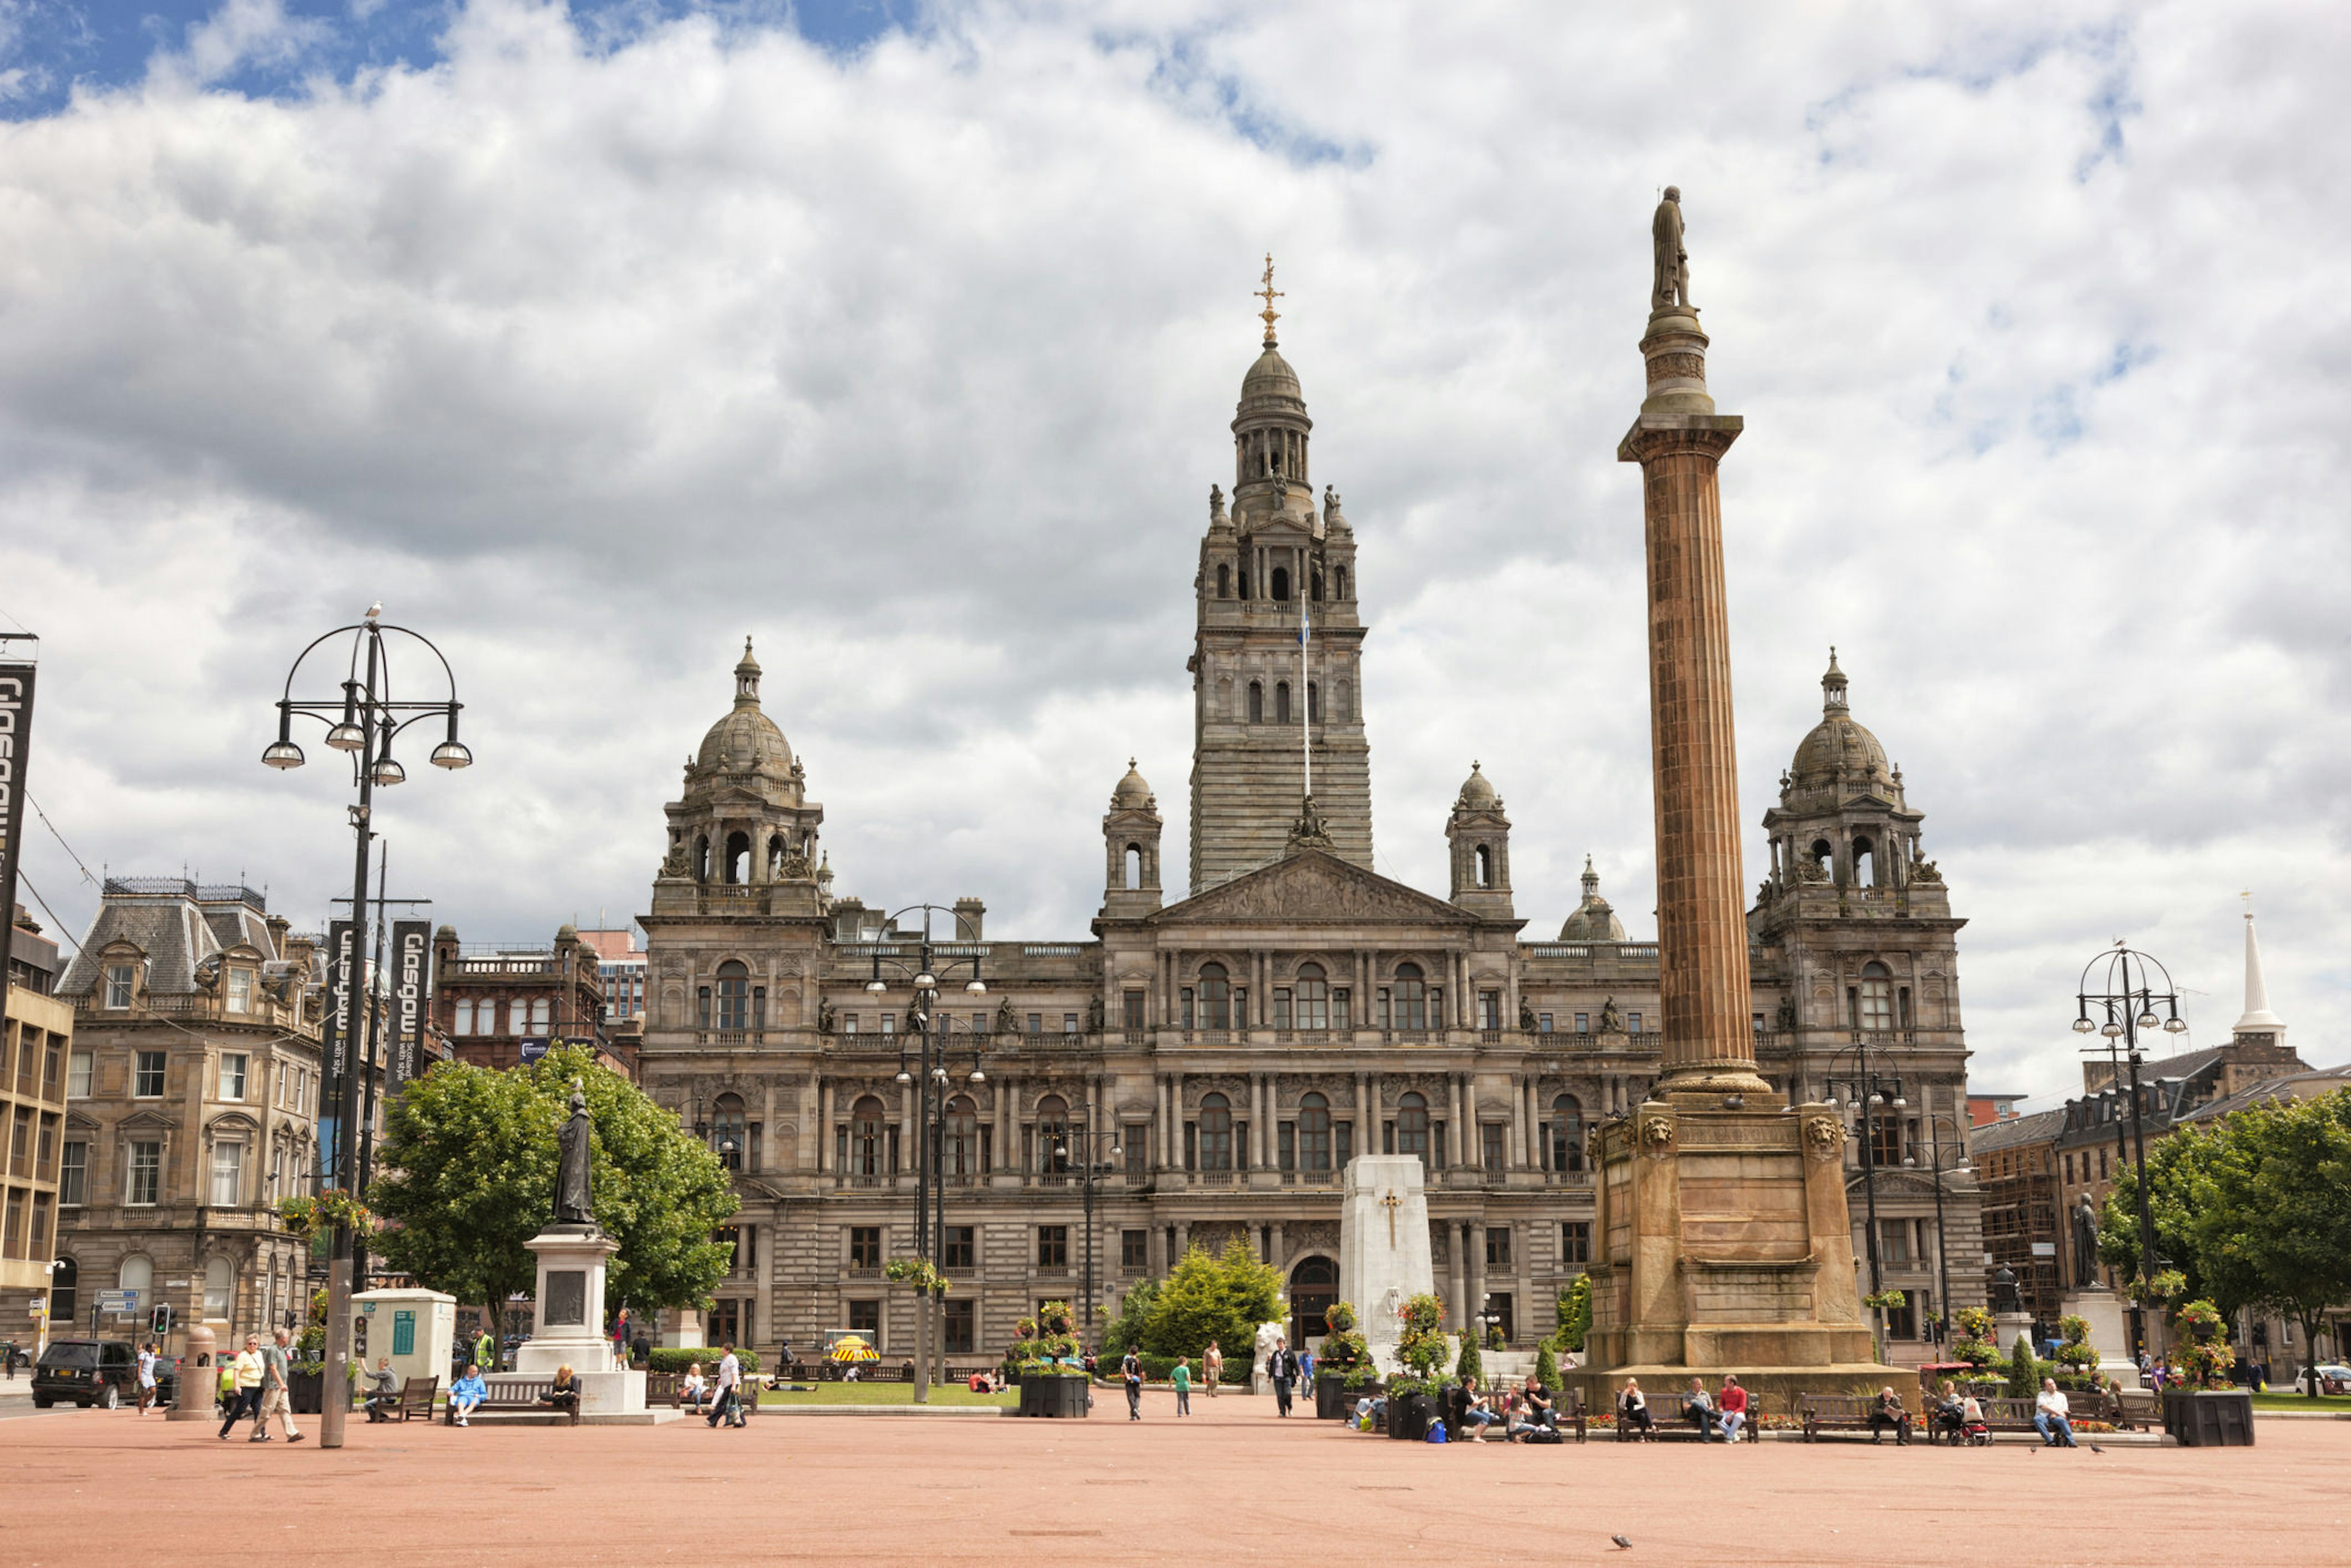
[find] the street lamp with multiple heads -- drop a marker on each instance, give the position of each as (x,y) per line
(931,1076)
(1085,1139)
(1871,1093)
(1959,1166)
(2117,1000)
(363,718)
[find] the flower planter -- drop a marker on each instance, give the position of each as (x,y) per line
(1333,1400)
(1409,1417)
(2209,1417)
(1059,1396)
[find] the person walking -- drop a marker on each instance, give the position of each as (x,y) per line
(1281,1365)
(146,1375)
(1131,1370)
(1212,1367)
(248,1398)
(8,1353)
(276,1390)
(729,1389)
(1182,1378)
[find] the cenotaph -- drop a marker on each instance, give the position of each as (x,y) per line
(1723,1242)
(1384,1252)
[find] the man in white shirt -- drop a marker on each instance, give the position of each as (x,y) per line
(2050,1417)
(730,1379)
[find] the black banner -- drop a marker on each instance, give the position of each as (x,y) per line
(342,976)
(411,989)
(16,745)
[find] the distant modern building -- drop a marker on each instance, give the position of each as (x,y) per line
(1986,1106)
(35,1048)
(192,1089)
(503,1006)
(621,965)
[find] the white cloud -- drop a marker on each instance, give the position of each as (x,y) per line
(588,359)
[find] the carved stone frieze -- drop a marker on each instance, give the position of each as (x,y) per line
(1313,887)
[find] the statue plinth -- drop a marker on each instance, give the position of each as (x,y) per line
(568,1322)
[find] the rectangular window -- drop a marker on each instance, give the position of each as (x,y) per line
(849,1023)
(1132,1016)
(1490,1151)
(865,1318)
(1343,1141)
(1036,1023)
(1632,1023)
(276,1175)
(1583,1023)
(147,1075)
(1281,1006)
(865,1247)
(1052,1247)
(1575,1242)
(1134,1251)
(119,978)
(1380,1008)
(1069,1023)
(1183,996)
(1542,1023)
(724,1324)
(1136,1142)
(2102,1165)
(77,1076)
(962,1247)
(464,1019)
(1285,1142)
(889,1023)
(959,1326)
(232,1075)
(1490,1009)
(1497,1247)
(1757,1020)
(146,1173)
(542,1015)
(1341,1002)
(240,990)
(979,1023)
(228,1175)
(1894,1241)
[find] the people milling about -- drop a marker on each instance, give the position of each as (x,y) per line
(1633,1411)
(1281,1365)
(1697,1409)
(727,1403)
(146,1375)
(383,1391)
(1473,1411)
(1888,1411)
(277,1389)
(1732,1406)
(1212,1366)
(1182,1378)
(465,1394)
(2052,1417)
(1131,1371)
(563,1394)
(247,1402)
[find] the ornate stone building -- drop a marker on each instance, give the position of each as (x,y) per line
(1242,1043)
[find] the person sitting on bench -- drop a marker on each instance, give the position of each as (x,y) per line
(384,1398)
(1633,1411)
(1888,1412)
(1533,1412)
(1951,1417)
(1697,1409)
(465,1394)
(1732,1403)
(690,1393)
(564,1395)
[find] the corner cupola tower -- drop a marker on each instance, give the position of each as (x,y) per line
(1277,662)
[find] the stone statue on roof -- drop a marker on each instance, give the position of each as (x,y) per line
(1670,286)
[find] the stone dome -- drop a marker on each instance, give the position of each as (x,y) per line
(1134,791)
(747,740)
(1477,792)
(1838,747)
(1594,920)
(1271,377)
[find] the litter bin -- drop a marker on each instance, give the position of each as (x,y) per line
(2209,1417)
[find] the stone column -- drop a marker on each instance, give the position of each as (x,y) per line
(907,1147)
(1454,1143)
(768,1161)
(1455,1282)
(1514,1139)
(1678,441)
(1367,1121)
(1166,1145)
(824,1126)
(1476,1293)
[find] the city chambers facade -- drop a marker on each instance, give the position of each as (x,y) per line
(1239,1045)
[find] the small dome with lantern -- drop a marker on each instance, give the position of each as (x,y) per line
(1594,920)
(746,745)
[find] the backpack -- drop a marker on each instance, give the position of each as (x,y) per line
(1540,1434)
(1437,1432)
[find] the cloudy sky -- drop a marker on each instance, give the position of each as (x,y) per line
(902,337)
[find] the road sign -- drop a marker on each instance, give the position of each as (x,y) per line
(121,1304)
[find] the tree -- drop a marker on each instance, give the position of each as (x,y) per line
(1223,1297)
(1126,1331)
(1469,1363)
(1576,1314)
(468,1175)
(1546,1366)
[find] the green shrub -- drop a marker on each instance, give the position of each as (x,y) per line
(1576,1314)
(1547,1367)
(669,1359)
(2023,1372)
(1470,1364)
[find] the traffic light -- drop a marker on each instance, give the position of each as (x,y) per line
(160,1321)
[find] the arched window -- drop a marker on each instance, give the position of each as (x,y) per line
(1313,1004)
(1412,1126)
(1315,583)
(1566,1133)
(1411,999)
(727,1130)
(1216,997)
(1257,702)
(1281,701)
(734,996)
(137,1273)
(1281,584)
(1134,857)
(1864,864)
(1314,1134)
(865,1137)
(1824,857)
(1053,1136)
(775,849)
(738,857)
(64,1292)
(1339,580)
(1485,867)
(1224,583)
(220,1288)
(1876,998)
(1216,1132)
(1314,701)
(702,858)
(959,1154)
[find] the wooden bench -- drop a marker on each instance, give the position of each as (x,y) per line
(510,1395)
(1567,1411)
(416,1398)
(1841,1413)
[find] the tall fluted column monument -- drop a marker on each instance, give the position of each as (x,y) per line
(1729,1248)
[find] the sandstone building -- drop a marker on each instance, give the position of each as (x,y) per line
(35,1046)
(1242,1042)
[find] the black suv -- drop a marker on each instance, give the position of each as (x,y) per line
(101,1372)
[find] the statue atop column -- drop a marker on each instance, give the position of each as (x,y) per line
(1670,286)
(574,1194)
(2086,1243)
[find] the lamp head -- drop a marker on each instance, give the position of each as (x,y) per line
(977,1077)
(926,981)
(2111,1030)
(875,985)
(389,772)
(347,737)
(977,986)
(2083,1026)
(282,753)
(905,1076)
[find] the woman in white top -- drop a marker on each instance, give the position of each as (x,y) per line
(690,1392)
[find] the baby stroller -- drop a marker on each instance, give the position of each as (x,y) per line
(1973,1428)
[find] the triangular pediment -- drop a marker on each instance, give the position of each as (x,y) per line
(1311,887)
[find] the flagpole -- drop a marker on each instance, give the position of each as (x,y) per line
(1306,678)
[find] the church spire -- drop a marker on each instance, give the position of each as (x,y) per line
(2258,1019)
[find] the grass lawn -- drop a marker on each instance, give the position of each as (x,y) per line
(890,1394)
(2277,1400)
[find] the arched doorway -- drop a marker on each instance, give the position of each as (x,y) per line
(1313,1290)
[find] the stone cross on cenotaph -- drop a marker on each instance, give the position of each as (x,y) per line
(1375,1280)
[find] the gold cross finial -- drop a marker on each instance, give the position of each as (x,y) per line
(1268,293)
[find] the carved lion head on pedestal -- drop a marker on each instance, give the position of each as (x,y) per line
(1656,1136)
(1824,1137)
